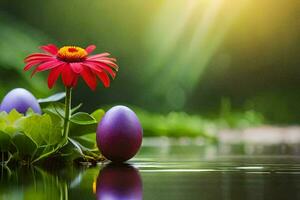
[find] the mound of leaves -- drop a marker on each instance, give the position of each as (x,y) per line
(34,138)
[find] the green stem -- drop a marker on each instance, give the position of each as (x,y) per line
(68,100)
(66,125)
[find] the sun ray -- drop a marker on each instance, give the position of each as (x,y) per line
(185,65)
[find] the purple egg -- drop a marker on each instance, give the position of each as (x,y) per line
(119,134)
(119,182)
(21,100)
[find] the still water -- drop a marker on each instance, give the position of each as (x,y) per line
(169,171)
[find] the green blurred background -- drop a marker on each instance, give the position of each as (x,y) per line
(214,59)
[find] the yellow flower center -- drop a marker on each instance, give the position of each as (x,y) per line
(72,54)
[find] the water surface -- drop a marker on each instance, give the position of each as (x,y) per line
(169,171)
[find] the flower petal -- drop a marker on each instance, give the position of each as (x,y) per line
(75,80)
(103,77)
(39,61)
(37,56)
(101,66)
(50,48)
(108,58)
(107,62)
(53,76)
(101,55)
(90,48)
(31,64)
(48,65)
(67,75)
(76,67)
(92,65)
(89,77)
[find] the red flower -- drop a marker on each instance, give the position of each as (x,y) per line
(71,62)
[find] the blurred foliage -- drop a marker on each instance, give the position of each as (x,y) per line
(178,124)
(238,119)
(17,41)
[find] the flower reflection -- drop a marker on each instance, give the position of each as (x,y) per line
(119,181)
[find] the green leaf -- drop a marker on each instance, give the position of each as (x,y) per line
(57,128)
(83,119)
(98,114)
(85,153)
(35,127)
(3,114)
(46,152)
(76,146)
(13,116)
(78,130)
(42,129)
(30,112)
(56,108)
(25,145)
(3,123)
(53,98)
(82,124)
(76,108)
(49,141)
(8,122)
(84,129)
(70,152)
(37,137)
(88,141)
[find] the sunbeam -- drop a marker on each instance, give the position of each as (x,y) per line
(187,36)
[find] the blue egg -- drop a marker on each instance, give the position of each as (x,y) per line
(21,100)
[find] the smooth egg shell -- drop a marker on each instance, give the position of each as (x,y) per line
(119,134)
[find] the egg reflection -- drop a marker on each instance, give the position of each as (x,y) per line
(118,182)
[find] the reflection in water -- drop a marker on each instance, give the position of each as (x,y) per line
(184,172)
(117,182)
(113,182)
(30,183)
